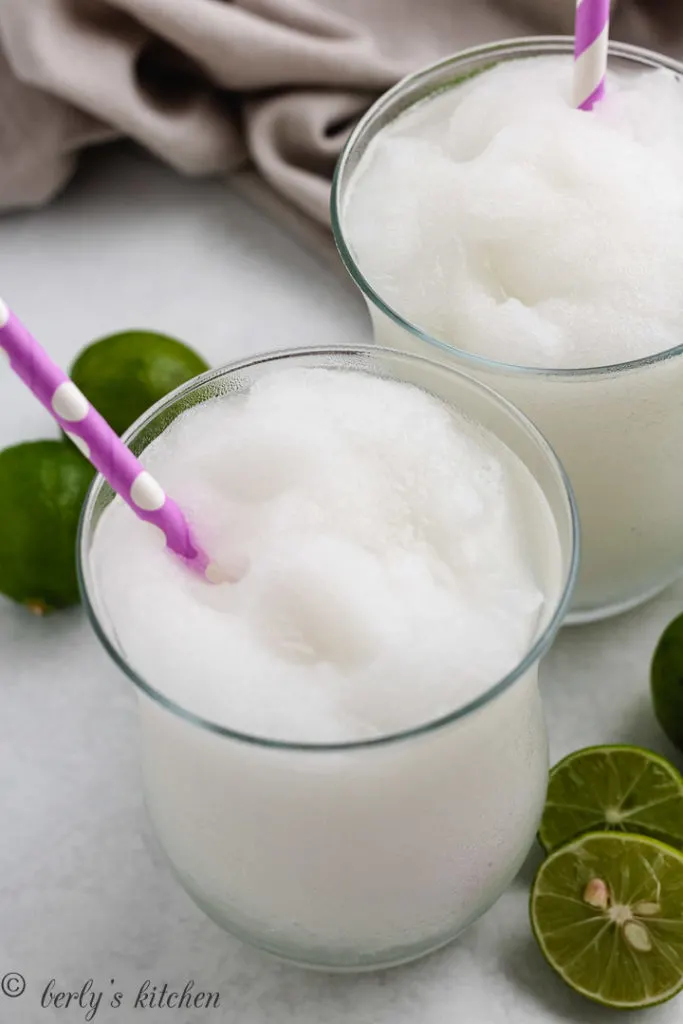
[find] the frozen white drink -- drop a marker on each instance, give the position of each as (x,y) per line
(539,245)
(396,560)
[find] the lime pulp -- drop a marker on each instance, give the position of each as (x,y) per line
(607,912)
(613,789)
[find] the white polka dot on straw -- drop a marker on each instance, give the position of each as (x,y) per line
(591,46)
(69,403)
(146,493)
(82,445)
(215,574)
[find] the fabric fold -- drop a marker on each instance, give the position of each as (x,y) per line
(211,86)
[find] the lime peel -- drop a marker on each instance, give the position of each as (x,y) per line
(42,487)
(666,680)
(124,374)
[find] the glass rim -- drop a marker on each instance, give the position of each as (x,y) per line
(542,639)
(511,48)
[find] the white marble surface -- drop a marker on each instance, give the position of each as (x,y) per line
(83,892)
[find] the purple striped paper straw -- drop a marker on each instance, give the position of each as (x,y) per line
(590,52)
(98,442)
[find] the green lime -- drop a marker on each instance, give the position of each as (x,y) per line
(124,374)
(42,487)
(607,912)
(613,789)
(667,681)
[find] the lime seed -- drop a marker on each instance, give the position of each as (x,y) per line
(646,909)
(637,936)
(596,894)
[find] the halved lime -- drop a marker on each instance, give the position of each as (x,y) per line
(613,789)
(607,912)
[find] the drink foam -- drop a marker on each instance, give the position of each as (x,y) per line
(498,218)
(386,545)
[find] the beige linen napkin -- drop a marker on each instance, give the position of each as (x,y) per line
(210,85)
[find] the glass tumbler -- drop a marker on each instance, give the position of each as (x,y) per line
(617,429)
(358,855)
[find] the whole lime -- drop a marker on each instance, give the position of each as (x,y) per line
(42,487)
(124,374)
(666,678)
